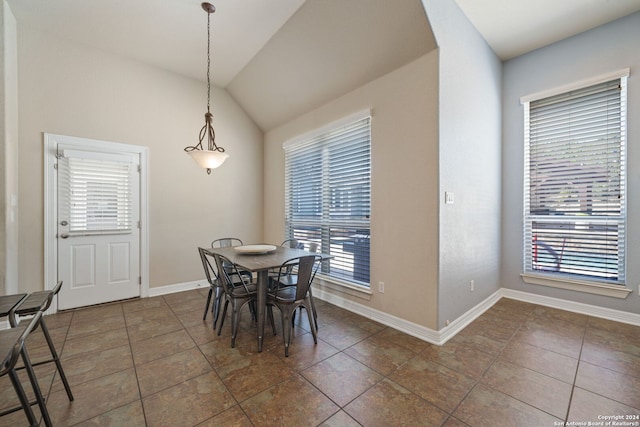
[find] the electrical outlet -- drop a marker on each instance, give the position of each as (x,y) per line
(472,286)
(381,287)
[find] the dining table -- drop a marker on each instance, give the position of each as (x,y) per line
(260,260)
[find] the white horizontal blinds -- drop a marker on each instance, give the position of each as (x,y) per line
(575,183)
(328,197)
(95,195)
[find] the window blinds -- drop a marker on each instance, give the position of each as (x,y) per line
(95,194)
(328,197)
(575,182)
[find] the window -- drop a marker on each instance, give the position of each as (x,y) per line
(574,186)
(96,191)
(328,195)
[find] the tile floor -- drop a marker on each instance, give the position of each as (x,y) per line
(154,362)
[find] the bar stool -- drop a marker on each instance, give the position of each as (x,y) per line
(11,347)
(40,302)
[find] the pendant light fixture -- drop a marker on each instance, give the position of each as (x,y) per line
(213,156)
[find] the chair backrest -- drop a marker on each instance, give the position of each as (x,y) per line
(226,269)
(226,242)
(307,268)
(208,264)
(293,244)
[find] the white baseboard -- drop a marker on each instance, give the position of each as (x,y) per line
(178,287)
(426,334)
(575,307)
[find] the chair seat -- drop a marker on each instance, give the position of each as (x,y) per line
(241,291)
(287,294)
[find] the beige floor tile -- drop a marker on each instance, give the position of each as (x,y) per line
(293,402)
(188,403)
(538,390)
(389,404)
(93,398)
(587,406)
(164,345)
(460,358)
(443,387)
(485,406)
(541,360)
(130,415)
(380,355)
(253,374)
(341,378)
(171,370)
(613,385)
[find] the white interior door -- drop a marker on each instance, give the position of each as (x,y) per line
(98,226)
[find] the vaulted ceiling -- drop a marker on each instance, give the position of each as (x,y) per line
(280,59)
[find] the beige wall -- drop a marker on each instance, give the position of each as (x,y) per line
(404,217)
(69,89)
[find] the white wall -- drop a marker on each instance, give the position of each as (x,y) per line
(404,185)
(72,90)
(8,151)
(607,48)
(469,162)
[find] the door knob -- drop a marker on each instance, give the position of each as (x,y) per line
(64,223)
(64,235)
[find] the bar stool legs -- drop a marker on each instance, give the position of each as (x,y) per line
(22,396)
(36,388)
(56,358)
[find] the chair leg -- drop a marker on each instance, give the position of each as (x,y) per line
(206,307)
(224,314)
(22,396)
(56,358)
(286,330)
(314,329)
(235,320)
(215,309)
(313,309)
(270,314)
(36,388)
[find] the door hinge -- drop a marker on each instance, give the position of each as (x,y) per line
(55,166)
(140,224)
(139,168)
(139,280)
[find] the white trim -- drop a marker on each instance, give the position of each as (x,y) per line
(51,142)
(575,307)
(178,287)
(445,334)
(4,325)
(606,289)
(575,85)
(329,127)
(342,286)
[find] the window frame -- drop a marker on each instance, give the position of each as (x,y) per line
(612,288)
(317,139)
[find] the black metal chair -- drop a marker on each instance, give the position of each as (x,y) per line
(238,294)
(11,347)
(40,302)
(288,297)
(215,288)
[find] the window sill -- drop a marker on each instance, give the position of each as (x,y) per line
(344,287)
(615,291)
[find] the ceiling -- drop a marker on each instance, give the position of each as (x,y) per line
(514,27)
(301,52)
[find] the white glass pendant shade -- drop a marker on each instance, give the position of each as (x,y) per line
(208,159)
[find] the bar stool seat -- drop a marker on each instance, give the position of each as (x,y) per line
(11,347)
(40,302)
